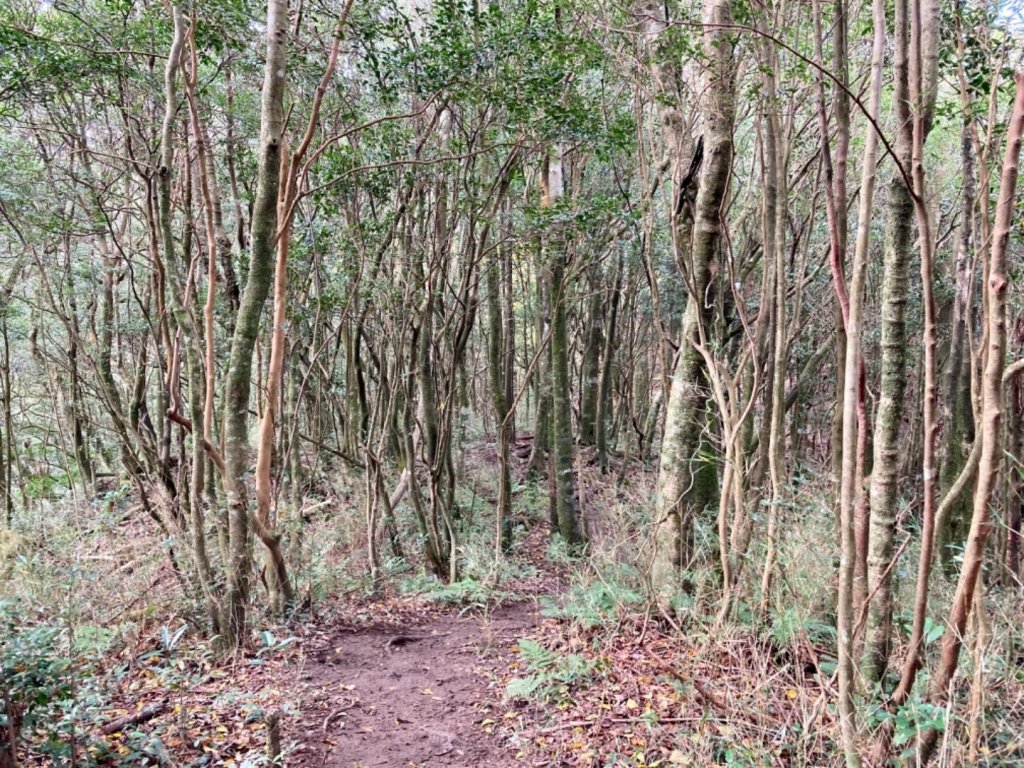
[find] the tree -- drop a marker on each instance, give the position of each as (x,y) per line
(684,486)
(264,236)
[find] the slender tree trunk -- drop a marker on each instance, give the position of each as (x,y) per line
(852,423)
(6,430)
(257,287)
(775,219)
(278,582)
(542,415)
(991,421)
(922,93)
(1014,479)
(889,411)
(957,408)
(683,489)
(500,404)
(604,396)
(836,192)
(878,553)
(557,256)
(590,375)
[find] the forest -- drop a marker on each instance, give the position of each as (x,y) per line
(511,382)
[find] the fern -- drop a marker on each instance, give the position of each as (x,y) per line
(551,675)
(536,655)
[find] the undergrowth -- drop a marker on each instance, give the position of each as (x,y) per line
(551,676)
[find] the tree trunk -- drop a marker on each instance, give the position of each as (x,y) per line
(958,411)
(566,502)
(604,395)
(991,421)
(684,485)
(257,287)
(542,413)
(775,215)
(889,413)
(497,374)
(1014,478)
(590,375)
(853,422)
(922,93)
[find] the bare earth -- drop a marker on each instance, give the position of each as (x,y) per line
(411,696)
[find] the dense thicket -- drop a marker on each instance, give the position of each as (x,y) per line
(265,263)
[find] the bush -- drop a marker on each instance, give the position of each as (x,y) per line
(35,680)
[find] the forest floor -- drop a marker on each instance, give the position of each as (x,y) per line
(540,660)
(392,679)
(519,680)
(560,663)
(419,695)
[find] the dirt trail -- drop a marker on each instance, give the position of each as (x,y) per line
(409,696)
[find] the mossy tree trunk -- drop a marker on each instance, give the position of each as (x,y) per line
(957,408)
(591,370)
(562,444)
(892,384)
(686,481)
(254,296)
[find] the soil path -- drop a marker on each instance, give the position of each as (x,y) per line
(411,696)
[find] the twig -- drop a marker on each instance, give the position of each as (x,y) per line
(329,720)
(710,696)
(145,714)
(616,720)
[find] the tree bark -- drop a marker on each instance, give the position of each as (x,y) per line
(684,487)
(497,375)
(563,454)
(853,422)
(257,287)
(991,421)
(889,412)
